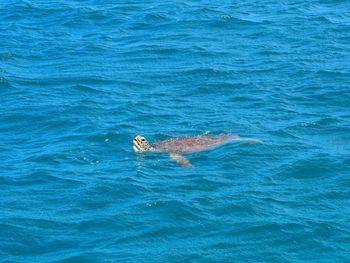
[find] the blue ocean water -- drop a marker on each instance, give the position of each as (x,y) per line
(79,79)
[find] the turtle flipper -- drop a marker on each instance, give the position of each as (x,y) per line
(249,140)
(180,159)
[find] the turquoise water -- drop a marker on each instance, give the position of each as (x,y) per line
(79,79)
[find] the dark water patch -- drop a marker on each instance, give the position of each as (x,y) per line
(42,178)
(310,169)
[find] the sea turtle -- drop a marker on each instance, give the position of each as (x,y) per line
(176,147)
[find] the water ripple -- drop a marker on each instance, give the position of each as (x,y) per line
(78,80)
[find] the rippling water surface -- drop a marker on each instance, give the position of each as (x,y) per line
(79,79)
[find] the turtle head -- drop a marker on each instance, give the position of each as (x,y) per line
(140,144)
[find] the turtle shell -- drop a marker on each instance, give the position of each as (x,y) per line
(184,145)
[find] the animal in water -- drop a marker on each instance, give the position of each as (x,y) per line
(178,147)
